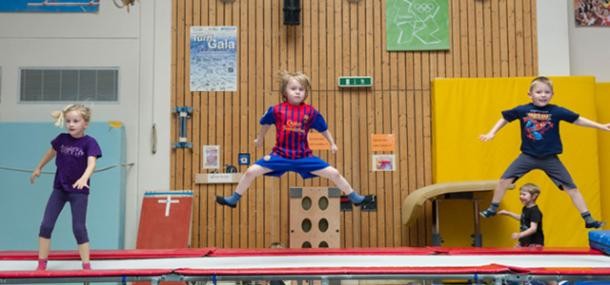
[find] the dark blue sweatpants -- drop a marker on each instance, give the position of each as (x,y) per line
(78,205)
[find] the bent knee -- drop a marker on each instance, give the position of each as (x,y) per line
(333,173)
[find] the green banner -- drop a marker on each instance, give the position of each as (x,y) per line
(417,25)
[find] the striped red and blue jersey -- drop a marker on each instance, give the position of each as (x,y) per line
(292,124)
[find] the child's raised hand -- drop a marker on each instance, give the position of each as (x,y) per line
(35,175)
(333,148)
(606,127)
(503,212)
(80,184)
(258,143)
(486,137)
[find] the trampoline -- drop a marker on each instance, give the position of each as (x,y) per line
(477,265)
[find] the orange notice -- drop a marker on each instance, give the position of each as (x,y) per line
(317,141)
(382,142)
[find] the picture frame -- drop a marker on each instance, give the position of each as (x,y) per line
(211,157)
(384,162)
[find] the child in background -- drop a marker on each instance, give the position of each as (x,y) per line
(541,145)
(530,230)
(293,119)
(76,157)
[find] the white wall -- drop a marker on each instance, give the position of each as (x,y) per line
(553,43)
(564,49)
(589,50)
(137,42)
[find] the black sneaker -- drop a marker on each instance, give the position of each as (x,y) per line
(487,213)
(369,203)
(594,224)
(221,200)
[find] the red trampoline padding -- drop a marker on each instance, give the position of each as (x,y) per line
(524,250)
(80,273)
(489,269)
(109,254)
(322,251)
(562,271)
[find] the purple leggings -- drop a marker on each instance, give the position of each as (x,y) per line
(78,205)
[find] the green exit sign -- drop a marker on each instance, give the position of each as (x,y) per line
(355,81)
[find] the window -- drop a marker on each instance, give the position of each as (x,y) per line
(52,85)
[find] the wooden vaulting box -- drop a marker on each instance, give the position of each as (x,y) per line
(314,217)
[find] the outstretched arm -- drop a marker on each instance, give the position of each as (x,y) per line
(510,214)
(492,133)
(329,137)
(582,121)
(258,141)
(82,181)
(45,158)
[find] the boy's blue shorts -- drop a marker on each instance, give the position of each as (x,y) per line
(303,166)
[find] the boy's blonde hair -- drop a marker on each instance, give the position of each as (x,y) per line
(541,79)
(58,116)
(300,77)
(531,188)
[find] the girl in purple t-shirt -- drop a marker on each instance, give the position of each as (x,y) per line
(75,156)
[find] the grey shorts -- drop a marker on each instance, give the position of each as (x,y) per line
(551,165)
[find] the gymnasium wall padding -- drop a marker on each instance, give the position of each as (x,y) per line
(463,109)
(22,206)
(603,114)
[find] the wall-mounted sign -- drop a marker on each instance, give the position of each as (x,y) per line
(213,58)
(317,141)
(355,81)
(383,142)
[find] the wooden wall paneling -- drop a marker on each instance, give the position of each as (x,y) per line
(454,53)
(488,41)
(511,30)
(336,119)
(495,26)
(253,109)
(196,140)
(419,155)
(534,40)
(260,190)
(310,64)
(528,38)
(366,67)
(480,38)
(472,39)
(223,217)
(489,38)
(386,204)
(395,214)
(353,99)
(402,160)
(411,170)
(187,98)
(464,33)
(245,140)
(427,146)
(231,216)
(504,42)
(520,60)
(206,205)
